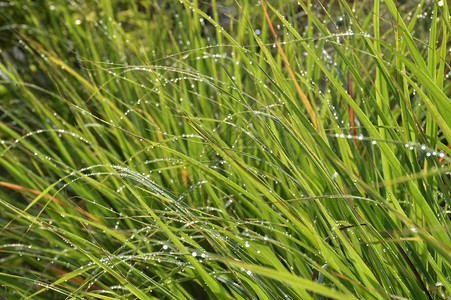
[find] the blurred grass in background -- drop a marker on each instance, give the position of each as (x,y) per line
(225,149)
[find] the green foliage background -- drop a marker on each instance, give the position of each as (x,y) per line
(225,149)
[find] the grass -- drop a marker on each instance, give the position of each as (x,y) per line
(222,149)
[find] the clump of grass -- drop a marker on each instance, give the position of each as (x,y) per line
(249,149)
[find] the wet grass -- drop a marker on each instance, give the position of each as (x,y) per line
(221,149)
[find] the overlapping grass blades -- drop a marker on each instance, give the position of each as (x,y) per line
(162,149)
